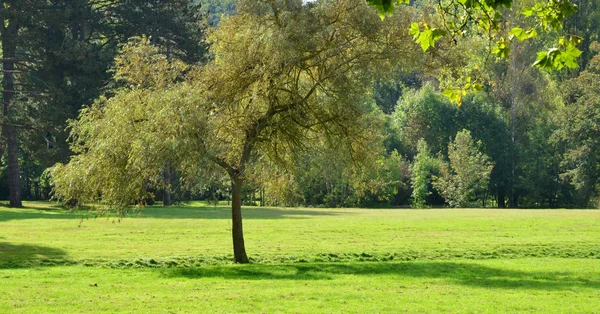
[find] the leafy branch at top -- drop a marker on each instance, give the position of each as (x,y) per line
(487,18)
(385,7)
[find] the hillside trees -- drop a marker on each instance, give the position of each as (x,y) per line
(215,9)
(285,75)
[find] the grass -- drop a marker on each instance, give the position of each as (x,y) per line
(305,260)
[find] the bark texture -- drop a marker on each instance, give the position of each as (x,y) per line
(239,248)
(9,31)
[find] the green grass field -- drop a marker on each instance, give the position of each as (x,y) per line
(304,260)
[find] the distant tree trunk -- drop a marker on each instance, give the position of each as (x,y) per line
(27,193)
(501,198)
(167,198)
(9,36)
(513,123)
(262,196)
(14,182)
(239,249)
(167,201)
(514,200)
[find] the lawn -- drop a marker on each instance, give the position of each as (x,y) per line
(305,260)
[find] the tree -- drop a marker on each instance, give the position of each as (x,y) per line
(422,171)
(426,114)
(285,75)
(388,90)
(483,116)
(62,53)
(466,178)
(23,24)
(217,8)
(176,26)
(9,31)
(541,182)
(579,123)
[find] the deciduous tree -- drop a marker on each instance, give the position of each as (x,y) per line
(465,179)
(285,74)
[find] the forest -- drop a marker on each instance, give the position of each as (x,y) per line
(292,103)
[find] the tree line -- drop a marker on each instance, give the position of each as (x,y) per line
(299,103)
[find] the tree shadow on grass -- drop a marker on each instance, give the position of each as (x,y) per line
(39,214)
(222,212)
(25,255)
(178,212)
(38,210)
(467,274)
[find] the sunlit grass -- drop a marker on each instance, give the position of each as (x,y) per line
(178,259)
(281,234)
(490,286)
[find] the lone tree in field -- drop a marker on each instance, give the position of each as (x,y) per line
(285,75)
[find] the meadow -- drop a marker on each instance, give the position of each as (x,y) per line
(308,260)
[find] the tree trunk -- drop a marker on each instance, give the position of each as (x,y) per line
(514,200)
(262,196)
(167,201)
(9,37)
(239,249)
(14,182)
(167,198)
(514,78)
(501,198)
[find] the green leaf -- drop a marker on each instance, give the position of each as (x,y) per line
(454,95)
(521,34)
(542,61)
(570,57)
(427,37)
(528,12)
(485,24)
(501,49)
(414,30)
(467,3)
(532,33)
(518,33)
(386,7)
(449,93)
(565,55)
(562,41)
